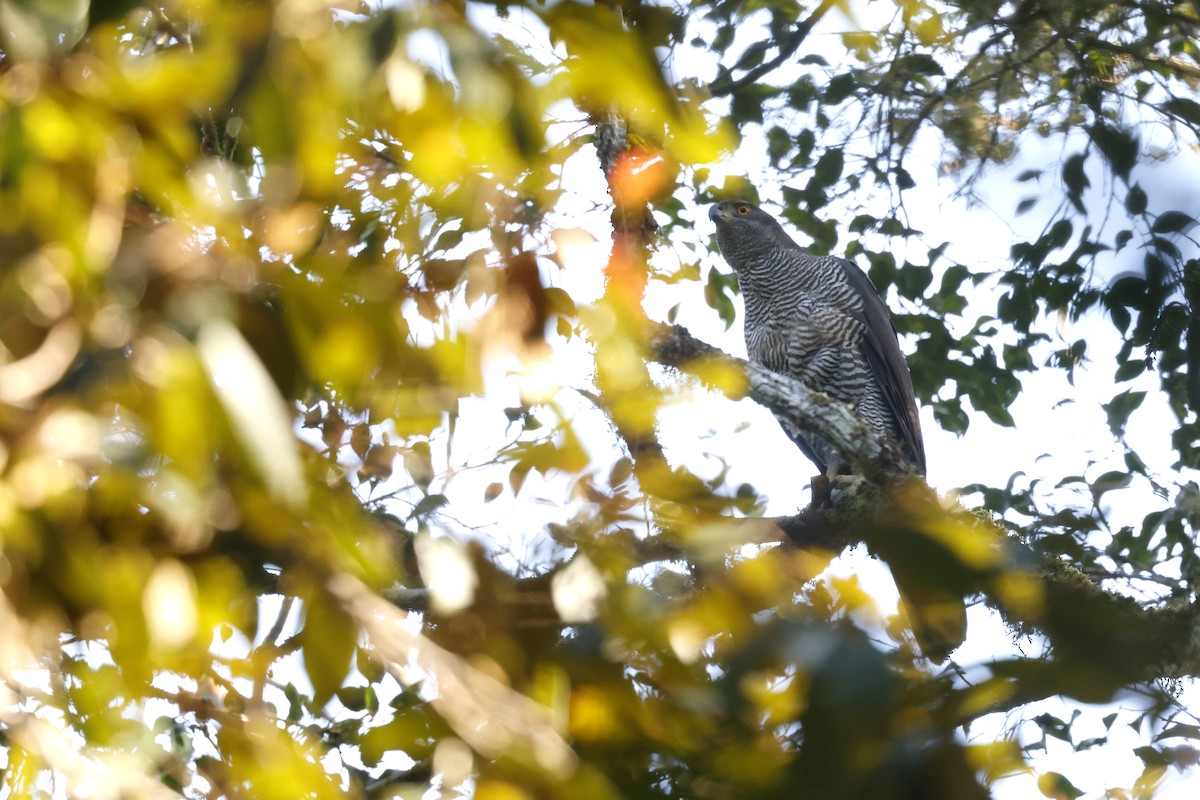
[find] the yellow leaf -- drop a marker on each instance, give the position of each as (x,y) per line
(328,638)
(1022,592)
(499,790)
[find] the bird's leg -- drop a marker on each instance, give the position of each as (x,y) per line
(820,490)
(835,485)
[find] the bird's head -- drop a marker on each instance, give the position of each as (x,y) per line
(744,227)
(736,211)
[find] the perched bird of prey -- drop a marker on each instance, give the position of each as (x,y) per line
(819,319)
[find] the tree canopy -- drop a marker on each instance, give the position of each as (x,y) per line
(331,412)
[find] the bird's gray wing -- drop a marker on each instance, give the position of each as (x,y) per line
(888,367)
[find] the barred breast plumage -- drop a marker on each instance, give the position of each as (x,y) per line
(819,319)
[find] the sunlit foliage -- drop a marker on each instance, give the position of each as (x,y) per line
(324,474)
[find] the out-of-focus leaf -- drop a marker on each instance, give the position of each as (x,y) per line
(1179,730)
(418,460)
(716,294)
(329,639)
(1172,222)
(1184,107)
(1135,201)
(255,409)
(1075,179)
(839,88)
(1056,786)
(1120,147)
(1120,407)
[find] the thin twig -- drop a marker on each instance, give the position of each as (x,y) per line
(787,48)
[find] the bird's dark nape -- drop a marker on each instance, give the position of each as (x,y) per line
(820,320)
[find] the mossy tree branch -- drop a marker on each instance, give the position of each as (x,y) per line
(1076,615)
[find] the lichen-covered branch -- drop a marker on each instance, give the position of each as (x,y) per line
(873,458)
(1076,615)
(624,386)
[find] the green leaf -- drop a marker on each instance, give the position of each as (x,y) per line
(1151,756)
(328,639)
(840,87)
(354,698)
(369,666)
(745,106)
(920,64)
(883,271)
(1179,730)
(1120,147)
(559,301)
(1108,482)
(753,55)
(427,505)
(1134,367)
(384,30)
(295,703)
(723,38)
(1056,786)
(863,222)
(951,416)
(828,169)
(1075,179)
(1135,201)
(1000,415)
(111,10)
(1185,108)
(1058,235)
(1017,357)
(1053,726)
(716,294)
(890,226)
(1172,222)
(913,280)
(1120,407)
(779,143)
(418,460)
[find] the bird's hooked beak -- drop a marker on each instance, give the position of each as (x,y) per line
(714,211)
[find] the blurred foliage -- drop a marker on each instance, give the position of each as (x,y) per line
(282,314)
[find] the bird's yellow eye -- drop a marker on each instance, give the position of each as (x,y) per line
(743,210)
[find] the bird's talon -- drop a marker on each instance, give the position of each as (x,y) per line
(845,486)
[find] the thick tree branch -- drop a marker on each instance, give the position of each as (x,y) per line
(872,457)
(621,395)
(1077,616)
